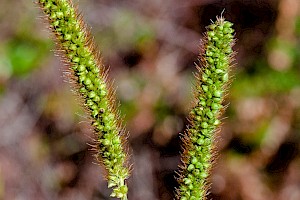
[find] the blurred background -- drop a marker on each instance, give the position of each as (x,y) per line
(151,47)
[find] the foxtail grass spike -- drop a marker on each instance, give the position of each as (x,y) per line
(77,49)
(210,88)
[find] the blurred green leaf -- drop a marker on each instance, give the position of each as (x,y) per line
(265,82)
(24,54)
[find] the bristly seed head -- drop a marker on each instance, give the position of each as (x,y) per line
(80,54)
(212,79)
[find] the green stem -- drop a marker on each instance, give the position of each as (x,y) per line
(87,70)
(212,80)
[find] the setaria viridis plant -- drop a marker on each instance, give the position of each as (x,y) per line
(77,49)
(210,87)
(90,77)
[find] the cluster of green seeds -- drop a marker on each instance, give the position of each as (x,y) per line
(211,84)
(74,40)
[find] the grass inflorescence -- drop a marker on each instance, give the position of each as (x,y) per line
(211,83)
(77,49)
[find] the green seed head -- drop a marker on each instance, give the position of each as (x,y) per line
(73,38)
(204,116)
